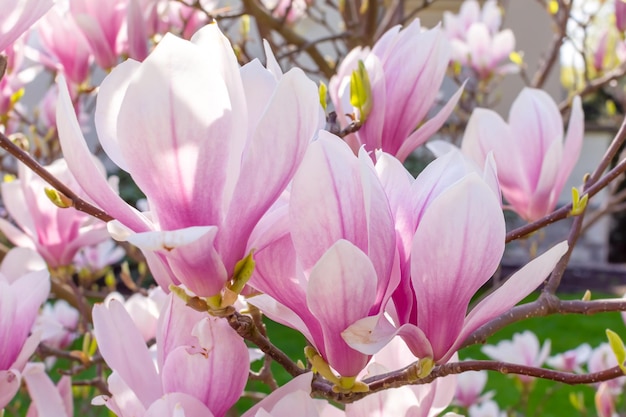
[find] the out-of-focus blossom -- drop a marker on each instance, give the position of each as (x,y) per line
(98,257)
(476,40)
(201,363)
(452,204)
(57,323)
(426,400)
(405,70)
(290,10)
(24,286)
(18,16)
(523,349)
(326,260)
(533,160)
(603,358)
(56,233)
(48,400)
(486,409)
(184,19)
(469,387)
(294,395)
(572,360)
(203,200)
(64,48)
(605,401)
(101,23)
(144,310)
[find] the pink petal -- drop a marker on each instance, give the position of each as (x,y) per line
(467,223)
(46,398)
(341,290)
(572,145)
(178,404)
(125,351)
(518,286)
(9,385)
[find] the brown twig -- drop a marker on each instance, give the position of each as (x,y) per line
(77,202)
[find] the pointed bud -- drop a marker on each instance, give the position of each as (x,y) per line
(323,90)
(243,271)
(58,199)
(617,346)
(361,91)
(578,204)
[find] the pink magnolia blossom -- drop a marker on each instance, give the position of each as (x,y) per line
(201,363)
(476,40)
(224,156)
(405,68)
(64,47)
(426,400)
(24,286)
(97,258)
(572,360)
(326,259)
(144,310)
(58,324)
(101,23)
(294,395)
(601,359)
(459,210)
(48,400)
(56,233)
(523,349)
(605,401)
(533,159)
(469,388)
(18,16)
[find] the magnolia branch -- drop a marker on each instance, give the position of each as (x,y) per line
(77,202)
(407,376)
(547,304)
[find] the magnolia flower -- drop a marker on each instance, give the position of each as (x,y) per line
(144,310)
(201,363)
(476,42)
(469,387)
(405,69)
(56,233)
(459,210)
(57,323)
(486,409)
(64,47)
(326,259)
(605,400)
(24,286)
(48,400)
(571,360)
(225,156)
(533,159)
(18,16)
(601,359)
(523,349)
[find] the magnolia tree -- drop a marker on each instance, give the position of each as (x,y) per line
(267,196)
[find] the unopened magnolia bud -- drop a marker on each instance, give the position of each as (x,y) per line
(59,199)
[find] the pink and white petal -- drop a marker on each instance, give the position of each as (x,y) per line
(125,351)
(19,261)
(518,286)
(502,45)
(185,120)
(168,240)
(44,394)
(536,122)
(573,143)
(281,314)
(16,236)
(289,123)
(299,383)
(123,400)
(271,63)
(341,290)
(28,349)
(391,402)
(178,404)
(259,84)
(9,385)
(371,132)
(544,198)
(327,201)
(229,365)
(371,334)
(88,175)
(428,129)
(110,97)
(467,223)
(15,203)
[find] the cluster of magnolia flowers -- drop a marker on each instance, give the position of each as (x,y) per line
(251,203)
